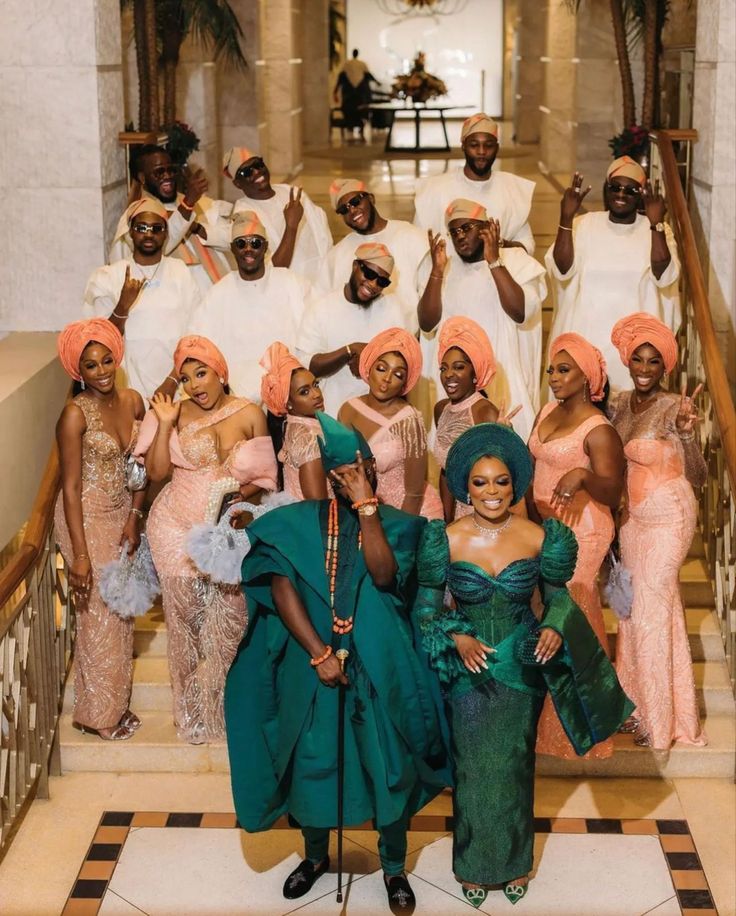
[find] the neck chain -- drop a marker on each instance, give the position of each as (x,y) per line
(149,280)
(491,533)
(340,625)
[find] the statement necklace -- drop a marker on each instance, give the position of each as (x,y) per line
(491,533)
(340,625)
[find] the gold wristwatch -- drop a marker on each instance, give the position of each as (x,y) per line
(492,265)
(368,509)
(657,227)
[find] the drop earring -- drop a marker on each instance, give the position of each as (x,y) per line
(82,384)
(470,501)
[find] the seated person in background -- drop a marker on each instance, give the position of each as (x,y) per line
(150,298)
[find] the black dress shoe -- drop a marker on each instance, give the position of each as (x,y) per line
(401,897)
(300,881)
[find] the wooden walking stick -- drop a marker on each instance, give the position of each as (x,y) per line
(342,656)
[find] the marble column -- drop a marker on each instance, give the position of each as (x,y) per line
(62,173)
(316,73)
(714,168)
(529,70)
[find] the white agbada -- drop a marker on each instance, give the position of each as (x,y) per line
(208,260)
(506,197)
(244,317)
(330,322)
(468,289)
(611,277)
(407,244)
(159,317)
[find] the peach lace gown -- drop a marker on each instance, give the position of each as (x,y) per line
(103,671)
(454,420)
(300,447)
(205,620)
(593,525)
(653,658)
(394,441)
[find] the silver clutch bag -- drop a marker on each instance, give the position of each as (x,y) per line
(135,475)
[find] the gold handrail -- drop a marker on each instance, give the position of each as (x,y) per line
(718,387)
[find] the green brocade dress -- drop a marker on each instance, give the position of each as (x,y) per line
(281,721)
(493,715)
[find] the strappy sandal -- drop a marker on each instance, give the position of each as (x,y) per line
(130,720)
(119,733)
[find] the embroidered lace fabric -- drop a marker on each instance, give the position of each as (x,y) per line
(205,621)
(300,446)
(103,668)
(653,659)
(593,526)
(396,440)
(454,420)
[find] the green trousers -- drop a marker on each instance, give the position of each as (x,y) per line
(391,845)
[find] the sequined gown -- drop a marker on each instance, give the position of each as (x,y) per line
(103,670)
(493,715)
(300,447)
(205,620)
(454,420)
(653,657)
(593,525)
(394,441)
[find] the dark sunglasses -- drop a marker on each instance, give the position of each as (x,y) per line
(622,189)
(351,204)
(371,274)
(146,228)
(249,241)
(245,171)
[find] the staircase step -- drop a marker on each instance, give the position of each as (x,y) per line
(150,637)
(706,643)
(156,749)
(713,688)
(151,686)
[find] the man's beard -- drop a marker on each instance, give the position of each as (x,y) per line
(154,192)
(354,284)
(370,224)
(475,255)
(478,171)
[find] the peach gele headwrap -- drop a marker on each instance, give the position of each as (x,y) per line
(146,205)
(626,167)
(247,222)
(480,123)
(393,340)
(234,158)
(75,337)
(467,335)
(465,209)
(589,359)
(640,328)
(202,349)
(279,364)
(375,253)
(342,186)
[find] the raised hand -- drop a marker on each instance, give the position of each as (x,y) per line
(687,412)
(352,482)
(166,409)
(491,236)
(196,186)
(294,209)
(505,418)
(354,361)
(129,292)
(655,207)
(572,199)
(437,252)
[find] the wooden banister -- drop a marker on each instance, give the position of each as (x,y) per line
(718,387)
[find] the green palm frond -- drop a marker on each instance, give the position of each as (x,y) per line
(213,23)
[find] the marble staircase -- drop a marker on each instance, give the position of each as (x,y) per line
(155,747)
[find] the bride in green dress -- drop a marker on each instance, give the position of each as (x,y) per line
(496,660)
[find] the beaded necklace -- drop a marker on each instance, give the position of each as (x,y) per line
(340,625)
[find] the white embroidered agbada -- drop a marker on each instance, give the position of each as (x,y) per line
(407,244)
(159,317)
(611,277)
(469,289)
(330,322)
(209,261)
(244,317)
(506,197)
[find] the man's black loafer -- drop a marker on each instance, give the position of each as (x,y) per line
(300,881)
(401,897)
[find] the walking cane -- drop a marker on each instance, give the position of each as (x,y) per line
(342,656)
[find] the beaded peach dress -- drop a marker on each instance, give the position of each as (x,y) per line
(593,526)
(454,420)
(205,619)
(299,448)
(103,669)
(394,441)
(653,658)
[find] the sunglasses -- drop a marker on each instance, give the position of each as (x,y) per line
(245,171)
(462,230)
(351,204)
(622,189)
(146,228)
(249,241)
(163,170)
(370,274)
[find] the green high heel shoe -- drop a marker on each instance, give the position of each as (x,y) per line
(514,892)
(475,895)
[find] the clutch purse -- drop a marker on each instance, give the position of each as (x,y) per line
(619,588)
(129,585)
(135,475)
(525,648)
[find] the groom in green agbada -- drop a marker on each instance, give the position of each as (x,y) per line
(281,705)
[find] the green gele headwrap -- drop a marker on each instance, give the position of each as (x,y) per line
(338,443)
(488,440)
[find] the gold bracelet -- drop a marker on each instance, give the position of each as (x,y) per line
(349,351)
(137,512)
(566,228)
